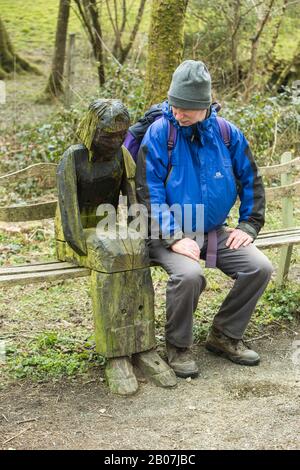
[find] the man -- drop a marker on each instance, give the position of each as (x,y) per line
(203,171)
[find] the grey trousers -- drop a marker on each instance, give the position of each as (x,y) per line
(250,268)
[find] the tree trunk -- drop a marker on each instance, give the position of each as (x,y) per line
(119,50)
(165,46)
(124,53)
(9,60)
(272,63)
(254,50)
(98,49)
(288,72)
(234,41)
(55,82)
(89,15)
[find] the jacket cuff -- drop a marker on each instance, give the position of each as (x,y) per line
(248,228)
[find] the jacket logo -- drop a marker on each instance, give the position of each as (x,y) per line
(218,175)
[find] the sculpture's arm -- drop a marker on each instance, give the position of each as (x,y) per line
(68,204)
(128,179)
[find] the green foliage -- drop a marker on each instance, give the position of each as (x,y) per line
(280,304)
(45,142)
(48,141)
(127,84)
(52,355)
(264,119)
(32,244)
(35,20)
(209,32)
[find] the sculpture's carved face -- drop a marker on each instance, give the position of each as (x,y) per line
(103,128)
(108,143)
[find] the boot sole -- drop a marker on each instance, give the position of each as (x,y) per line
(185,375)
(234,359)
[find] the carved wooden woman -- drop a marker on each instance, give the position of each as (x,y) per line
(90,174)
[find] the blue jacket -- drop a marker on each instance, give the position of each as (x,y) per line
(203,171)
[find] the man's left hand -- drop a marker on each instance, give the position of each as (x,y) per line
(238,238)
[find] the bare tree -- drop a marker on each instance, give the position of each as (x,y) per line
(54,86)
(287,72)
(230,21)
(235,15)
(232,14)
(254,48)
(165,46)
(277,29)
(121,51)
(89,15)
(9,60)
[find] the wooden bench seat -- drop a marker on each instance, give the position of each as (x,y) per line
(44,173)
(278,238)
(40,272)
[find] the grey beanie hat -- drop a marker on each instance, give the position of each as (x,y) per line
(191,86)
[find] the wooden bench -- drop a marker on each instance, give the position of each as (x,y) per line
(45,175)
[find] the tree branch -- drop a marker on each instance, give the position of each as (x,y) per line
(134,31)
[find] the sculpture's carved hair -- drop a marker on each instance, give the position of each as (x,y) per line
(109,115)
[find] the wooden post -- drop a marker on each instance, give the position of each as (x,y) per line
(69,70)
(287,218)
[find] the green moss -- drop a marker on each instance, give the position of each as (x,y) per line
(51,355)
(165,46)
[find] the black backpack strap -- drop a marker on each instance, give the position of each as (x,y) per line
(172,134)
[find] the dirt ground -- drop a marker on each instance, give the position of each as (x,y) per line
(227,407)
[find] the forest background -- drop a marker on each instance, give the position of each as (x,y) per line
(127,49)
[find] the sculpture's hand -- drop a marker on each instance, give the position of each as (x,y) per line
(79,246)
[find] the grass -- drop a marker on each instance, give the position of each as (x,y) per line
(48,328)
(32,28)
(52,355)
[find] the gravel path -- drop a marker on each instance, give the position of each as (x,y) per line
(227,407)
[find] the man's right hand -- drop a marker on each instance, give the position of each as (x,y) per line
(187,247)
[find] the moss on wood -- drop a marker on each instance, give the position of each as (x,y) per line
(165,46)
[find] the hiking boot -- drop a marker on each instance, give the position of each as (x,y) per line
(152,366)
(120,376)
(182,361)
(230,348)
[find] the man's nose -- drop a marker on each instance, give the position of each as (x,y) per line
(179,114)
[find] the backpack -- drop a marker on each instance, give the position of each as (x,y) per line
(137,131)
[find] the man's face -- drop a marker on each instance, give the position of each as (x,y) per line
(188,117)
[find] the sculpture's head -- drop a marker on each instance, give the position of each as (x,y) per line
(104,127)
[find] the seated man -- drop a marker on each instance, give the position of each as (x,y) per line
(89,175)
(202,171)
